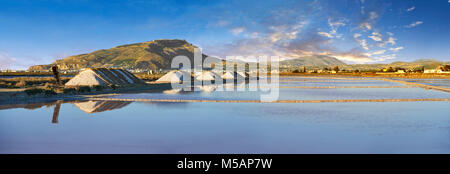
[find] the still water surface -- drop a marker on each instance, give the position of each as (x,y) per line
(143,127)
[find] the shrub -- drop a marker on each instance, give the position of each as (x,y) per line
(10,85)
(83,89)
(336,68)
(69,90)
(99,88)
(296,71)
(3,84)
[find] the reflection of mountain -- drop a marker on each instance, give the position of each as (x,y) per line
(100,106)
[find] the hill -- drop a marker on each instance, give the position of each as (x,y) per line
(153,55)
(158,54)
(418,64)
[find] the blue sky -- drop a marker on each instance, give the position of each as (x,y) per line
(355,31)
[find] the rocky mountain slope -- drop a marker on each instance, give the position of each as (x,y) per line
(153,55)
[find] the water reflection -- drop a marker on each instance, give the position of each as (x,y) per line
(56,112)
(232,86)
(203,127)
(88,107)
(100,106)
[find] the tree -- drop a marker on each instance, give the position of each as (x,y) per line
(390,69)
(445,68)
(399,68)
(336,68)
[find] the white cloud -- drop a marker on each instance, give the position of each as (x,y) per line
(361,42)
(364,44)
(385,57)
(391,40)
(396,49)
(373,15)
(378,52)
(275,40)
(376,36)
(414,24)
(237,30)
(284,33)
(325,34)
(412,8)
(365,26)
(351,57)
(334,25)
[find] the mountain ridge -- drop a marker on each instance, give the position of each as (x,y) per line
(152,55)
(158,54)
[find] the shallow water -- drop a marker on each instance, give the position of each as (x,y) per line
(145,127)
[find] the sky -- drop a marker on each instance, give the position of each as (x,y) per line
(354,31)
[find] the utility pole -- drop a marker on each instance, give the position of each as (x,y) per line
(56,75)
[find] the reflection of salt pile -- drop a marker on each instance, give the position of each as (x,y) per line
(100,106)
(243,74)
(175,76)
(103,77)
(206,76)
(172,91)
(232,75)
(232,86)
(208,88)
